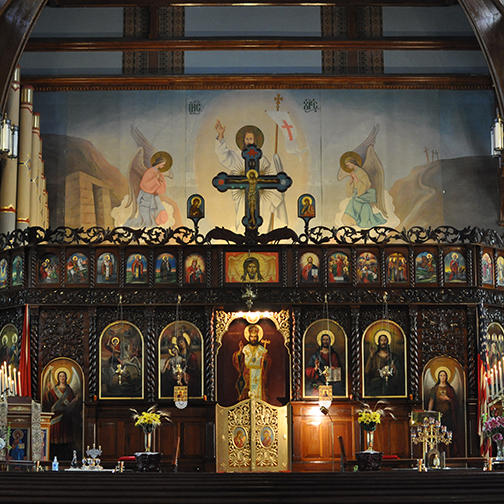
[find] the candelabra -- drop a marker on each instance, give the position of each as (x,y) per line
(431,433)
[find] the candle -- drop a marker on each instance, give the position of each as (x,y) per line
(94,435)
(15,381)
(491,382)
(19,384)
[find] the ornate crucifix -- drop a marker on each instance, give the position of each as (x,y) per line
(252,181)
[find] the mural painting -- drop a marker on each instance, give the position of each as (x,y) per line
(121,362)
(195,269)
(106,268)
(17,272)
(48,272)
(62,392)
(364,162)
(252,361)
(166,268)
(324,358)
(339,268)
(309,266)
(10,345)
(252,267)
(425,268)
(384,358)
(77,269)
(367,268)
(180,359)
(443,384)
(454,267)
(397,268)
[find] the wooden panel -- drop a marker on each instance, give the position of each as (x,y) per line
(191,3)
(194,436)
(225,44)
(111,438)
(413,81)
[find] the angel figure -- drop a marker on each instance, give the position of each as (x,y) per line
(365,186)
(147,172)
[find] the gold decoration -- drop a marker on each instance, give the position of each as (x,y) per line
(321,333)
(445,369)
(383,332)
(350,155)
(155,159)
(246,332)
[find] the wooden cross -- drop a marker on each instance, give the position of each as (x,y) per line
(252,182)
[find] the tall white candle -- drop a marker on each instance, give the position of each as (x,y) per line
(491,382)
(14,373)
(19,383)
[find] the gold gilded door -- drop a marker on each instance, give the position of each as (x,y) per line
(253,436)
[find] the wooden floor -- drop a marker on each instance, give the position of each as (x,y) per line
(389,487)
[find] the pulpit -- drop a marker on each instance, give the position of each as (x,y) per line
(253,436)
(28,429)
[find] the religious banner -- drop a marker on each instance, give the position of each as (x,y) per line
(62,392)
(121,362)
(180,360)
(325,355)
(252,267)
(384,360)
(443,385)
(252,358)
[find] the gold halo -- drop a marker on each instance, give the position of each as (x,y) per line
(380,333)
(349,155)
(445,369)
(246,332)
(258,136)
(325,331)
(115,340)
(196,199)
(166,157)
(58,371)
(186,336)
(306,200)
(5,339)
(454,255)
(14,338)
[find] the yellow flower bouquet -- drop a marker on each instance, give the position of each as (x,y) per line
(369,418)
(149,421)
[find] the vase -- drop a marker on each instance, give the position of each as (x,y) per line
(500,450)
(148,430)
(370,440)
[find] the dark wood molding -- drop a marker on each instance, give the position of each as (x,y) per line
(16,23)
(227,44)
(201,3)
(487,19)
(288,81)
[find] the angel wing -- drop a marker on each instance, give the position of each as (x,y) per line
(361,149)
(373,167)
(75,382)
(47,383)
(137,167)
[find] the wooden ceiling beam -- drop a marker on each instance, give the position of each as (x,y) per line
(218,3)
(229,44)
(285,81)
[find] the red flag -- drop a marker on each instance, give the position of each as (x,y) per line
(24,358)
(482,407)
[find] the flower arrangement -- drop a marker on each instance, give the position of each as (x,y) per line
(149,420)
(494,428)
(369,418)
